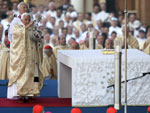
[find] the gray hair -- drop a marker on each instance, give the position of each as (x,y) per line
(21,3)
(25,14)
(51,4)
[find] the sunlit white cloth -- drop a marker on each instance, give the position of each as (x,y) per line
(103,16)
(14,22)
(5,24)
(91,71)
(12,92)
(51,13)
(117,29)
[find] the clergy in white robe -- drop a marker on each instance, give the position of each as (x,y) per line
(114,27)
(26,77)
(141,39)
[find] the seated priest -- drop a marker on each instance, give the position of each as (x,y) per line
(1,34)
(49,64)
(5,59)
(62,45)
(146,47)
(132,42)
(75,46)
(85,46)
(100,42)
(141,39)
(109,44)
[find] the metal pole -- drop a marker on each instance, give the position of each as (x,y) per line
(125,63)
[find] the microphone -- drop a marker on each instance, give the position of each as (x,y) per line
(146,73)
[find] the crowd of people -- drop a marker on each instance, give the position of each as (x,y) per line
(64,21)
(30,37)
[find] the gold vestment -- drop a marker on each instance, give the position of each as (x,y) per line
(4,63)
(25,62)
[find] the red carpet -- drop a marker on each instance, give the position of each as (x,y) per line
(46,102)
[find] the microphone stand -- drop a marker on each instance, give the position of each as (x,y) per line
(144,74)
(125,61)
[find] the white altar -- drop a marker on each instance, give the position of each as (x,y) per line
(84,75)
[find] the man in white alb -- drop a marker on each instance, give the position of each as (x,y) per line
(22,8)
